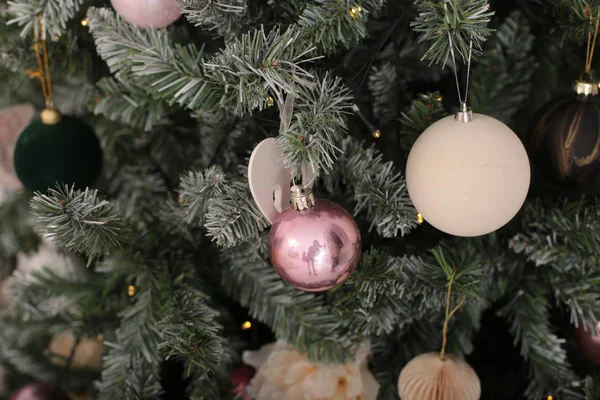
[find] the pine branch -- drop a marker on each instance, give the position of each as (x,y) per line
(190,331)
(259,65)
(55,14)
(502,80)
(232,216)
(383,91)
(318,126)
(196,189)
(527,313)
(424,111)
(379,190)
(334,23)
(129,104)
(148,59)
(564,238)
(126,375)
(78,220)
(222,16)
(460,22)
(577,18)
(300,318)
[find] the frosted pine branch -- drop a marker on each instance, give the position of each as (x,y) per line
(465,21)
(222,16)
(128,103)
(79,220)
(318,126)
(148,58)
(300,318)
(233,217)
(55,14)
(196,189)
(329,24)
(379,190)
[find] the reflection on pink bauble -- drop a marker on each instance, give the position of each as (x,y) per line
(315,249)
(589,343)
(148,13)
(39,391)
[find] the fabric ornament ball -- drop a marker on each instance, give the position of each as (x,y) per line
(314,245)
(13,121)
(428,377)
(468,175)
(283,373)
(589,343)
(87,355)
(148,13)
(64,152)
(39,391)
(565,143)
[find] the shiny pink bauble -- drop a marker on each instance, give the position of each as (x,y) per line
(588,343)
(315,249)
(39,391)
(148,13)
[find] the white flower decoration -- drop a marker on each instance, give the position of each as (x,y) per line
(283,373)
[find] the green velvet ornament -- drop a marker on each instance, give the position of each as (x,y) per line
(67,152)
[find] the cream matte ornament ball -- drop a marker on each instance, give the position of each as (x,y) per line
(428,377)
(468,179)
(148,13)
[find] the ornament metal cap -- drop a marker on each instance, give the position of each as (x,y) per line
(302,198)
(50,116)
(464,114)
(586,88)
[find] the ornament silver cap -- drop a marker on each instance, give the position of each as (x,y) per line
(302,198)
(464,114)
(585,88)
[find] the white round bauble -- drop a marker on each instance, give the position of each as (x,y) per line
(428,377)
(147,13)
(468,179)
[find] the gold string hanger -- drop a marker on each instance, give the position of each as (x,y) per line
(591,43)
(449,314)
(50,115)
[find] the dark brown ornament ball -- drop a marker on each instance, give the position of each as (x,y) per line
(39,391)
(565,143)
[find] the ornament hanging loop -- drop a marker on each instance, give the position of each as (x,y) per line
(464,114)
(50,115)
(591,47)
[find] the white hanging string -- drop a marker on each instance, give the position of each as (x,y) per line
(463,103)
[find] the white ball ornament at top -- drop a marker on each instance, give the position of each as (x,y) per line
(147,13)
(468,175)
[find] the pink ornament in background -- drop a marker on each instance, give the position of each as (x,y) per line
(589,343)
(240,380)
(147,13)
(39,391)
(314,245)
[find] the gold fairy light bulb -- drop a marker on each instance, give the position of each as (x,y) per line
(246,325)
(131,291)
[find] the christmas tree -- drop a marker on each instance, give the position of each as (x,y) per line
(150,149)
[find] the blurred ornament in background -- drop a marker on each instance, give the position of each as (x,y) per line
(429,377)
(148,13)
(283,373)
(468,175)
(239,379)
(13,121)
(87,352)
(314,244)
(39,391)
(589,342)
(57,149)
(565,143)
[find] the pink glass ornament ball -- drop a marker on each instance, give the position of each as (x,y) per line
(147,13)
(315,249)
(39,391)
(589,343)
